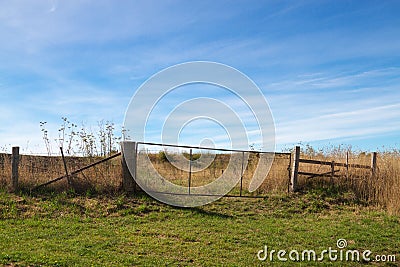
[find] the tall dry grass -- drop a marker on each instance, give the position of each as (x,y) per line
(36,170)
(275,181)
(381,189)
(385,188)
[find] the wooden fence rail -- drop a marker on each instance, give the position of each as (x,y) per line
(297,160)
(78,170)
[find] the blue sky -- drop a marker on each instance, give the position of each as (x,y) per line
(330,70)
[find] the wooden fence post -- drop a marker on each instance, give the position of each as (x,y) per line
(129,154)
(347,165)
(190,169)
(373,164)
(14,171)
(295,170)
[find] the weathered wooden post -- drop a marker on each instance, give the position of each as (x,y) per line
(129,155)
(289,169)
(373,164)
(295,170)
(190,170)
(332,172)
(347,165)
(14,171)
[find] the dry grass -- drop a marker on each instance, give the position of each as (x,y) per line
(381,189)
(386,187)
(35,170)
(276,180)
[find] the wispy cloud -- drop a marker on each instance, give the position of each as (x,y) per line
(327,106)
(351,124)
(328,71)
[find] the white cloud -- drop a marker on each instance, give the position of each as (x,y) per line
(356,123)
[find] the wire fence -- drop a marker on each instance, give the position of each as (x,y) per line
(35,170)
(195,166)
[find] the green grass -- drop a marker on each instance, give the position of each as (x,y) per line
(68,230)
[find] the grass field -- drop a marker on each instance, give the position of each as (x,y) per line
(65,229)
